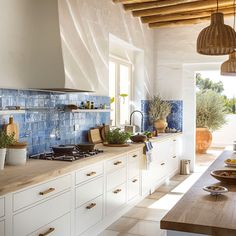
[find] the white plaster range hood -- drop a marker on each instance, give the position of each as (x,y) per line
(34,51)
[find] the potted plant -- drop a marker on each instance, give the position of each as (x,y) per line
(5,141)
(210,116)
(116,137)
(158,111)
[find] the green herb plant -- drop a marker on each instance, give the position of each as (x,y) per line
(116,136)
(6,140)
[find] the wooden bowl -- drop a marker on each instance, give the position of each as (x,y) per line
(227,176)
(138,138)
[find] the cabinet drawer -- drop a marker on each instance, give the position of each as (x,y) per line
(115,198)
(2,228)
(2,207)
(42,214)
(115,164)
(89,214)
(116,178)
(89,173)
(133,187)
(133,169)
(133,156)
(88,191)
(59,227)
(40,192)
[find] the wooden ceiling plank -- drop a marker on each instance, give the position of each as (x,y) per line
(199,5)
(132,1)
(184,15)
(153,4)
(179,23)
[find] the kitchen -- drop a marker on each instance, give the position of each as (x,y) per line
(56,86)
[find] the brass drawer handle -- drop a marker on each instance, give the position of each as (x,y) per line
(134,181)
(47,191)
(118,163)
(174,156)
(92,205)
(134,156)
(117,191)
(91,173)
(174,140)
(48,232)
(162,164)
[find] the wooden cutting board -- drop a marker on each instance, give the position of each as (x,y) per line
(94,136)
(12,128)
(103,130)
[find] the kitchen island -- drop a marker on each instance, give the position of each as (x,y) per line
(199,213)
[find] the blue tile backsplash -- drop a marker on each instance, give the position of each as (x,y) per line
(47,127)
(175,119)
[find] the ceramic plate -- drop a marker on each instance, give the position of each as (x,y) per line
(215,190)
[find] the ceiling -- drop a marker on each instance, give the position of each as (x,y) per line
(173,13)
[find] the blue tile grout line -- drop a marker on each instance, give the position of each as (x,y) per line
(45,128)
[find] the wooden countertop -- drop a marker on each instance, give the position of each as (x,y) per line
(199,212)
(13,178)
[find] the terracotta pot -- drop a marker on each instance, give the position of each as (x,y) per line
(203,140)
(160,125)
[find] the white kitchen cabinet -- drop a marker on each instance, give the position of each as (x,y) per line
(88,191)
(89,173)
(133,187)
(40,192)
(115,198)
(59,227)
(2,228)
(116,178)
(115,164)
(2,207)
(89,214)
(30,220)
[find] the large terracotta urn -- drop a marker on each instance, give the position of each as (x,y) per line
(160,125)
(203,140)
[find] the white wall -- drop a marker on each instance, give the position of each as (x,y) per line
(227,134)
(93,21)
(176,63)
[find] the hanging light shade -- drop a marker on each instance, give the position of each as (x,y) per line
(229,66)
(217,38)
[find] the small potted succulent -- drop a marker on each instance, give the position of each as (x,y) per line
(158,112)
(5,141)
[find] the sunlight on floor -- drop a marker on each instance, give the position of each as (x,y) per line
(166,202)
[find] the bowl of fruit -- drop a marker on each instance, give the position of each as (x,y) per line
(230,162)
(227,176)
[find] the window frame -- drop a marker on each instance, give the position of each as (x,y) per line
(121,61)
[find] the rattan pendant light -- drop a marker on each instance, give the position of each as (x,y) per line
(217,38)
(228,68)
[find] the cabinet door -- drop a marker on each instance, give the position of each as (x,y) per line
(2,228)
(2,207)
(133,187)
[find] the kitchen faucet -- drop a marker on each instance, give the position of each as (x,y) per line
(141,128)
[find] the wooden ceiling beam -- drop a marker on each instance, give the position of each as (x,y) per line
(132,1)
(185,15)
(178,23)
(191,6)
(153,4)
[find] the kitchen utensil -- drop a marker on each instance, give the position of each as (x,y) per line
(85,146)
(227,176)
(138,138)
(94,136)
(215,190)
(103,130)
(12,128)
(63,150)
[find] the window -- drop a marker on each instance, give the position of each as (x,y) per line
(120,90)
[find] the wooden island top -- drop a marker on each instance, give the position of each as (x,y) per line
(199,212)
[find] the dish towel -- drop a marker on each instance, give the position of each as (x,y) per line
(147,155)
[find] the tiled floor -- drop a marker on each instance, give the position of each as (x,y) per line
(144,218)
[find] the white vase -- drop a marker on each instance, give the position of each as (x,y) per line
(16,156)
(2,157)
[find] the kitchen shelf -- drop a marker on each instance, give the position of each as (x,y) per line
(10,112)
(91,110)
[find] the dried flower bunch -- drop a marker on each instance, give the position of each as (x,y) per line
(158,108)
